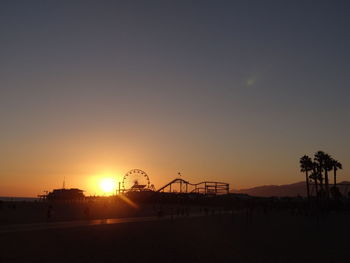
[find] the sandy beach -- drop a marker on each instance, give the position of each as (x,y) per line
(272,237)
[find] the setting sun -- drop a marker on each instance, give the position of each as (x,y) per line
(107,185)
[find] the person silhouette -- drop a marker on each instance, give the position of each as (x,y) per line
(87,212)
(49,212)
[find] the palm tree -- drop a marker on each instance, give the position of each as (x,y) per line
(314,176)
(336,165)
(306,165)
(327,166)
(319,161)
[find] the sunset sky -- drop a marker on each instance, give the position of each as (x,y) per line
(232,91)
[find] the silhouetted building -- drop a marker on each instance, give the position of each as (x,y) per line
(66,194)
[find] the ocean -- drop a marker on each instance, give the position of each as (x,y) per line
(18,199)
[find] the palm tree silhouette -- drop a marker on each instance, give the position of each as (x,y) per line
(306,165)
(314,176)
(327,166)
(320,166)
(336,165)
(319,159)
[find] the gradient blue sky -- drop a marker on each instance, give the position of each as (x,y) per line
(233,91)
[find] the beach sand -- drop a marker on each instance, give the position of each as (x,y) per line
(272,237)
(36,212)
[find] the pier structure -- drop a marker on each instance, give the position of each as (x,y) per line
(180,185)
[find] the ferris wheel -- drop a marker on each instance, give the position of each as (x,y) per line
(136,180)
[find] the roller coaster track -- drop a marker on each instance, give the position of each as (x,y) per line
(207,187)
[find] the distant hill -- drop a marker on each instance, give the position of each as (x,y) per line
(285,190)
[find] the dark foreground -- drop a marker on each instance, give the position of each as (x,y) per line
(274,237)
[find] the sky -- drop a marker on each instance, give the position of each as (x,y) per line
(233,91)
